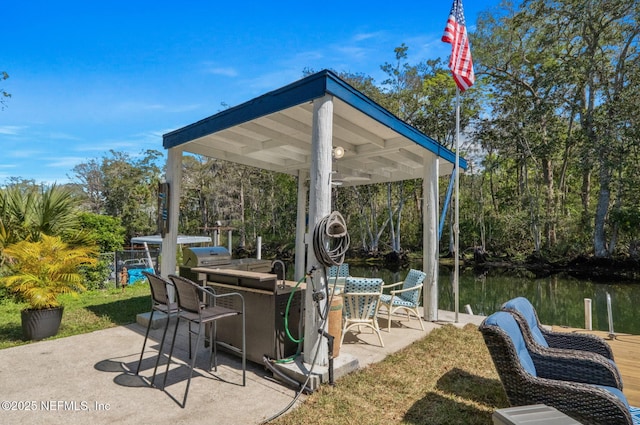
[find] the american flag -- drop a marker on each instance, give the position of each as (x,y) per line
(460,63)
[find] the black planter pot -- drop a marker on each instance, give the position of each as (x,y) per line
(40,324)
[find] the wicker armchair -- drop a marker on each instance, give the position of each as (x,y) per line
(530,376)
(565,340)
(519,307)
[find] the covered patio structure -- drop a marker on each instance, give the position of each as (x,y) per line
(321,130)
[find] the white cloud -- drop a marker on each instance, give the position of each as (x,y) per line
(65,161)
(131,144)
(140,106)
(211,68)
(183,108)
(11,130)
(105,146)
(367,35)
(354,52)
(24,153)
(62,136)
(273,80)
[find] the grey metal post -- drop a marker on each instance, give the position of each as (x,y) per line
(430,236)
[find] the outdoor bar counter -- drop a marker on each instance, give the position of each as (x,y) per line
(266,300)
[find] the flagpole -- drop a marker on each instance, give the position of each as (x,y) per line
(456,228)
(461,66)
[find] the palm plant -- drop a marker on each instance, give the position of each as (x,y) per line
(41,270)
(15,206)
(55,211)
(27,211)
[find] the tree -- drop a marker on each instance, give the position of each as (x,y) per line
(556,72)
(608,49)
(3,94)
(107,232)
(423,95)
(91,179)
(527,85)
(200,193)
(123,186)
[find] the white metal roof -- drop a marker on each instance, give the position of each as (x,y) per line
(182,239)
(273,132)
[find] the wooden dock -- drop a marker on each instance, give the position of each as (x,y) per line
(626,353)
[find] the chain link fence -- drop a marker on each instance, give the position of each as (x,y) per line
(126,266)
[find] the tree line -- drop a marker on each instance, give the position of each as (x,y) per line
(559,125)
(549,128)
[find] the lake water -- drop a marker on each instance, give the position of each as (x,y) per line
(558,300)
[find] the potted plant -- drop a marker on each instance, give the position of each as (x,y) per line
(38,272)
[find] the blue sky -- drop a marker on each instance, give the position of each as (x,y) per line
(90,76)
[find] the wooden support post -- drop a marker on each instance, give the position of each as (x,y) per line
(170,240)
(319,207)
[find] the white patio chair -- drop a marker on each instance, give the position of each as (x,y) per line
(361,300)
(406,298)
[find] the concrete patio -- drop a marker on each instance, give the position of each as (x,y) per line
(90,378)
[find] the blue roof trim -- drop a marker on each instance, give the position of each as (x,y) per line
(301,91)
(304,90)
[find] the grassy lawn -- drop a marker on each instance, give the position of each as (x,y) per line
(87,312)
(446,378)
